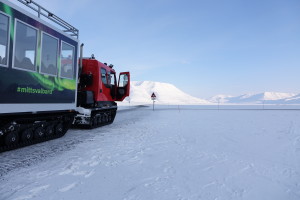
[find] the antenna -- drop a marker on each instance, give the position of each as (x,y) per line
(49,15)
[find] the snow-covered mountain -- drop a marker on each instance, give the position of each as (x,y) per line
(140,93)
(266,97)
(293,100)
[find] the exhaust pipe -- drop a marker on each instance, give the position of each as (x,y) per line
(81,54)
(80,59)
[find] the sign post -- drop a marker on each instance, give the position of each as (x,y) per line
(153,97)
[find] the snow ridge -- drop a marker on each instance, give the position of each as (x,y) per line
(140,92)
(265,97)
(168,94)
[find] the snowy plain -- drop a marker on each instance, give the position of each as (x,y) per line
(176,153)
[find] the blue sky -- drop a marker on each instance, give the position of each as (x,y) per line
(204,47)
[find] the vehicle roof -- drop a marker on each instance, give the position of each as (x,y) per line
(22,10)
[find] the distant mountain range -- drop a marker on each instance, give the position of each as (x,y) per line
(266,97)
(168,94)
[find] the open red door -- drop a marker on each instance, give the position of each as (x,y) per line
(123,88)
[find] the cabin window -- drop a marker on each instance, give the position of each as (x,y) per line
(112,77)
(25,47)
(49,55)
(103,76)
(4,36)
(67,61)
(123,80)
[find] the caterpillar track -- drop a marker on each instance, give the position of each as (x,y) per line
(27,130)
(97,118)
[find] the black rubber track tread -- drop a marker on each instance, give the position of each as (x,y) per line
(89,126)
(36,141)
(28,143)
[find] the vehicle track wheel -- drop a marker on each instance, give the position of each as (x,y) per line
(12,138)
(27,135)
(95,121)
(99,120)
(49,130)
(103,118)
(39,132)
(59,129)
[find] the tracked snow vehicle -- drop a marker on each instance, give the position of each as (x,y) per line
(97,92)
(43,90)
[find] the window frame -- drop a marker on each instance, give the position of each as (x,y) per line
(57,54)
(73,60)
(14,48)
(105,75)
(112,74)
(8,40)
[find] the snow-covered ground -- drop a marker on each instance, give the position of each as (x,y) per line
(171,153)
